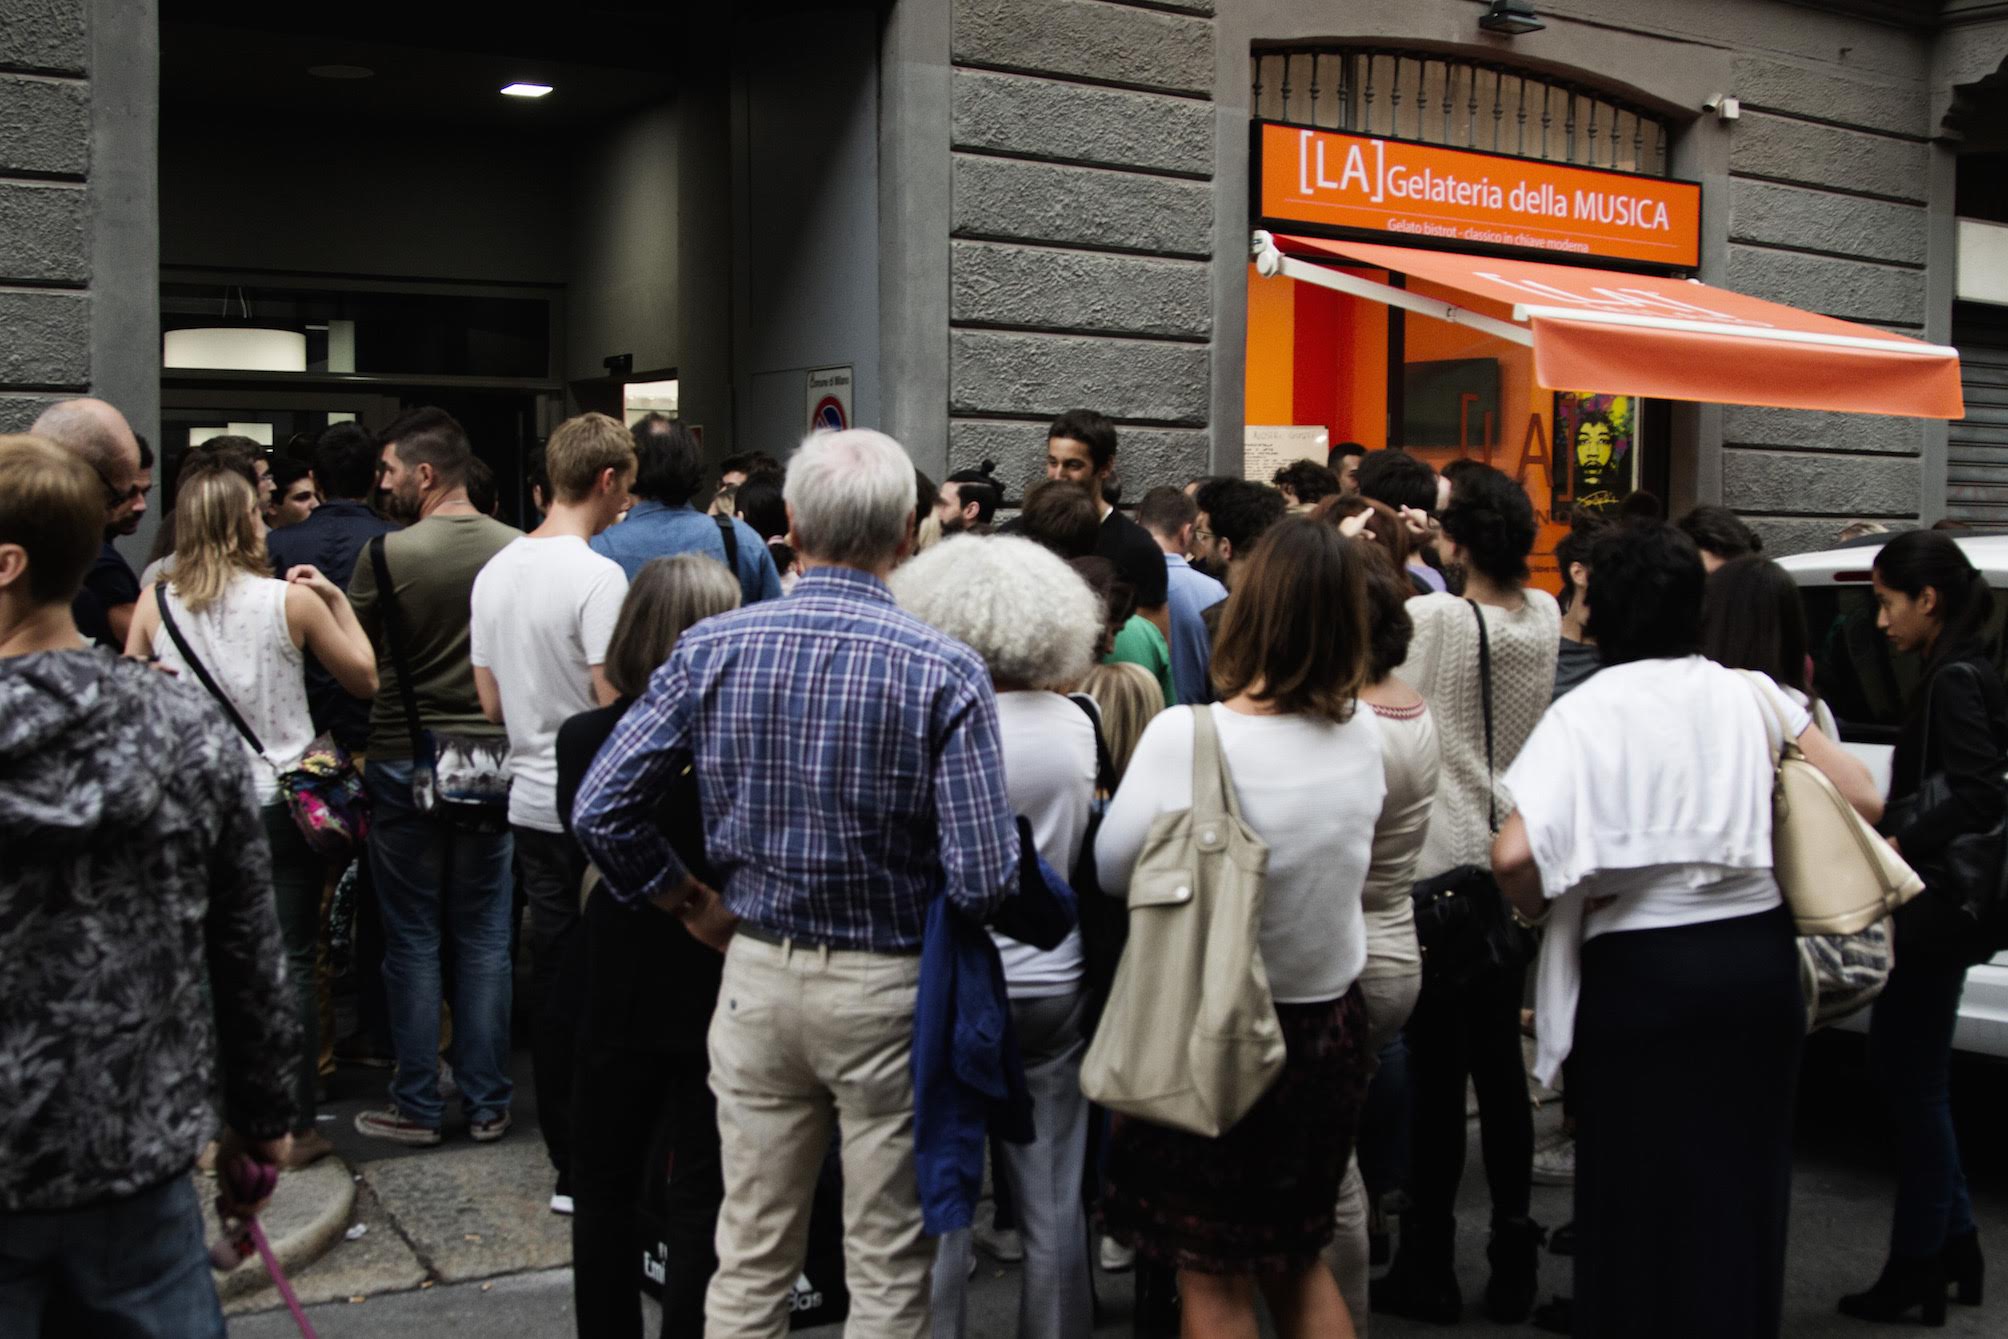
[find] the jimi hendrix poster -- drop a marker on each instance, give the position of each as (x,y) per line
(1598,436)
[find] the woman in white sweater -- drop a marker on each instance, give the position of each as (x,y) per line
(1253,1208)
(1669,974)
(1468,1025)
(1036,625)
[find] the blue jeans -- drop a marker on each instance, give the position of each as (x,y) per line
(133,1268)
(1910,1054)
(441,890)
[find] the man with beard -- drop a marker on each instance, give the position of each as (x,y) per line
(437,884)
(968,501)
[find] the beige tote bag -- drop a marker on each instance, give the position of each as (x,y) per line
(1838,876)
(1190,1037)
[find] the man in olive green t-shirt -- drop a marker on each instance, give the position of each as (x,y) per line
(440,887)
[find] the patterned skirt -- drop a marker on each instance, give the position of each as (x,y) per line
(1259,1199)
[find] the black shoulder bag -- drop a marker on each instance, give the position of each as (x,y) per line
(730,538)
(459,778)
(1461,919)
(324,794)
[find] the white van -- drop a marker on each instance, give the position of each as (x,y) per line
(1865,684)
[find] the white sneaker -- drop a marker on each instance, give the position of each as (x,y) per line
(1555,1164)
(1002,1244)
(562,1204)
(1115,1257)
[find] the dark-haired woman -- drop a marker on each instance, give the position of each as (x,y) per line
(1751,619)
(1470,1027)
(1669,971)
(1253,1208)
(649,990)
(1934,605)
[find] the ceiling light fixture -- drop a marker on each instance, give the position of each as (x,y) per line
(1510,18)
(525,90)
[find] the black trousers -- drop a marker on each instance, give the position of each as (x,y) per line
(1685,1069)
(551,867)
(629,1102)
(1459,1031)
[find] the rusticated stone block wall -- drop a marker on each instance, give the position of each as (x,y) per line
(1082,230)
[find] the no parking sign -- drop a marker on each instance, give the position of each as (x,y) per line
(829,399)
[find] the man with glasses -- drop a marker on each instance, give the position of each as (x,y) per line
(100,436)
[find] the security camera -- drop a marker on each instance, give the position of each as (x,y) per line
(1725,107)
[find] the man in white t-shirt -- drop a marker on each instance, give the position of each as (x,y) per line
(544,609)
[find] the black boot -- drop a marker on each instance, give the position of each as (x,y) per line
(1422,1284)
(1906,1282)
(1964,1268)
(1509,1293)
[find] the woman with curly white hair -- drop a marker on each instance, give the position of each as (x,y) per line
(1036,625)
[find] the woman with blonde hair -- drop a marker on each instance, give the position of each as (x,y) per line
(1129,697)
(249,630)
(650,986)
(1034,622)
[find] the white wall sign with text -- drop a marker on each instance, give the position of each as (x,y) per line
(1266,449)
(829,399)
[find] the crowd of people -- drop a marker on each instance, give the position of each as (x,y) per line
(812,802)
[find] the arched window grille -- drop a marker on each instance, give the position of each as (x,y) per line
(1456,101)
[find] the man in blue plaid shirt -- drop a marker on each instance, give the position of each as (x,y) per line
(848,759)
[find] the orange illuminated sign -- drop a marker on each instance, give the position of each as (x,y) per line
(1428,192)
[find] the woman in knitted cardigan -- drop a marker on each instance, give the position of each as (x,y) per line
(1470,1027)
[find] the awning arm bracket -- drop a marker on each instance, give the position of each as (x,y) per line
(1270,262)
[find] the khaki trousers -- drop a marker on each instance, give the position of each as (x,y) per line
(802,1035)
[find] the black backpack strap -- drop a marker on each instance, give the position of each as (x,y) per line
(393,635)
(1105,767)
(1485,696)
(729,536)
(201,671)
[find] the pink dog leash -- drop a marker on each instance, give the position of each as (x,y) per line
(253,1181)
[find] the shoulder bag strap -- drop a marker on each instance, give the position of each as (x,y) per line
(730,536)
(194,663)
(1760,684)
(1485,699)
(1212,787)
(1105,766)
(393,635)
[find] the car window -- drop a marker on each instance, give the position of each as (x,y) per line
(1861,680)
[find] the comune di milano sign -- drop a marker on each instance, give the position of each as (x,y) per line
(1325,181)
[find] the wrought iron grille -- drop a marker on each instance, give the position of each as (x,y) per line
(1437,99)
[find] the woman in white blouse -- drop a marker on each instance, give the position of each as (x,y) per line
(1036,625)
(1253,1208)
(1669,975)
(250,631)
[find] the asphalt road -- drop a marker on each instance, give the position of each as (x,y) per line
(1840,1219)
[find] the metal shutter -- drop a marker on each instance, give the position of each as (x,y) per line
(1976,468)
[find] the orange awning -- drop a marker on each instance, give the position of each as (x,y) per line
(1678,339)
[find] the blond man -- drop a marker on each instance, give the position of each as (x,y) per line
(544,613)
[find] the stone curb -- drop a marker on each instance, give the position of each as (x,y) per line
(309,1213)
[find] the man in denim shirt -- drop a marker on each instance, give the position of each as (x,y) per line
(663,523)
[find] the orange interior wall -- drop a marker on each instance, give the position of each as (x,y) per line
(1320,358)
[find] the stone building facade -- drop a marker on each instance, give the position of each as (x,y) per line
(1062,213)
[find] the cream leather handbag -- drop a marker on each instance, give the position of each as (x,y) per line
(1189,1038)
(1838,876)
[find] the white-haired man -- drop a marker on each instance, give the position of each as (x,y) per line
(851,773)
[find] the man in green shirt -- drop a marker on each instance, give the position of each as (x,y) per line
(439,886)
